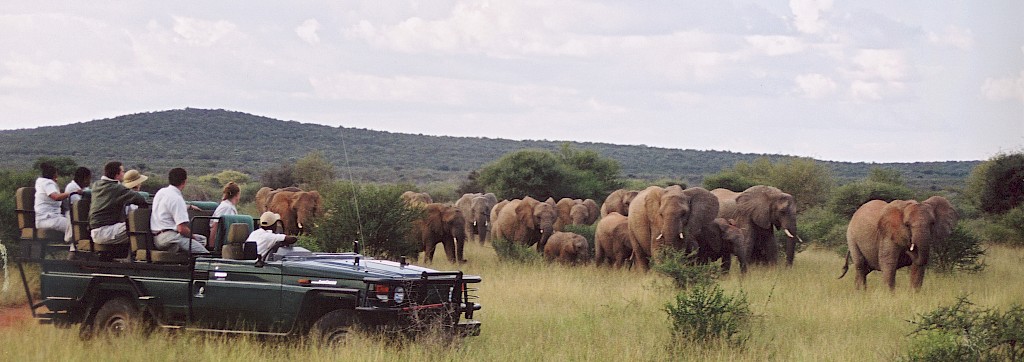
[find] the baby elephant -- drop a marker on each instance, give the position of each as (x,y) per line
(720,240)
(569,248)
(611,240)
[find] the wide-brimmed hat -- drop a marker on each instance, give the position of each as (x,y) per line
(133,178)
(269,218)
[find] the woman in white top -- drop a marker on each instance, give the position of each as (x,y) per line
(231,195)
(83,177)
(47,202)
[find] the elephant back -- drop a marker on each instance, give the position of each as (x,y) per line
(726,202)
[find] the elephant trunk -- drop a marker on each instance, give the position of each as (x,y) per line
(481,227)
(789,228)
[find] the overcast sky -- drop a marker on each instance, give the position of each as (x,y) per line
(882,81)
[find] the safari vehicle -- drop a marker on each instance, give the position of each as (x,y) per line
(109,291)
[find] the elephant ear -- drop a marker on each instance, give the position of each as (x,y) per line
(756,204)
(891,225)
(945,216)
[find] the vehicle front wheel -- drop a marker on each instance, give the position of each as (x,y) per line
(119,316)
(333,327)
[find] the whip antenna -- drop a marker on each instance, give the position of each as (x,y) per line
(351,180)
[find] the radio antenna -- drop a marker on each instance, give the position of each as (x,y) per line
(351,181)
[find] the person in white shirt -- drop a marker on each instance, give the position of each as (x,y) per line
(47,202)
(232,194)
(80,183)
(265,237)
(169,221)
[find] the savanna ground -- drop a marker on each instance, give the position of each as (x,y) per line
(551,312)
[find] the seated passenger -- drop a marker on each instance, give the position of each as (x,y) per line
(169,220)
(81,181)
(109,200)
(232,194)
(133,181)
(47,202)
(265,237)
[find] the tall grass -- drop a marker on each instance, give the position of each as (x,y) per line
(542,311)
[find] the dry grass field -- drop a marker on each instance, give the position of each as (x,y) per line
(554,313)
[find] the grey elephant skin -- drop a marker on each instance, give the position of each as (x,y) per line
(618,201)
(759,211)
(668,217)
(526,222)
(476,209)
(442,224)
(611,240)
(886,236)
(567,248)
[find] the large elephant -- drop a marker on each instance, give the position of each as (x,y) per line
(717,241)
(579,214)
(887,236)
(494,215)
(611,240)
(726,200)
(465,204)
(441,224)
(668,216)
(264,194)
(759,211)
(478,216)
(297,209)
(525,222)
(564,206)
(413,198)
(618,201)
(568,248)
(593,211)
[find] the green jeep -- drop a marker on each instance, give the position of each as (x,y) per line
(109,290)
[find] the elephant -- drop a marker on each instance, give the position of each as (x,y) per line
(726,200)
(579,214)
(413,198)
(526,222)
(441,224)
(476,209)
(564,206)
(611,240)
(717,241)
(297,209)
(759,211)
(264,194)
(593,211)
(618,201)
(887,236)
(494,215)
(668,216)
(567,248)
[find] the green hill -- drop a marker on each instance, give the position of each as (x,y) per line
(211,140)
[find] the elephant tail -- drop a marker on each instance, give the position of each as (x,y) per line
(846,267)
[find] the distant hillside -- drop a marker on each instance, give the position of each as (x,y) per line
(211,140)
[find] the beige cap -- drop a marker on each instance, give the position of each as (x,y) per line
(269,218)
(133,178)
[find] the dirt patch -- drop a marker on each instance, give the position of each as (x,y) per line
(14,316)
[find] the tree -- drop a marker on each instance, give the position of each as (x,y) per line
(848,198)
(808,181)
(886,175)
(65,165)
(372,214)
(278,177)
(997,185)
(591,175)
(542,174)
(313,170)
(471,185)
(730,180)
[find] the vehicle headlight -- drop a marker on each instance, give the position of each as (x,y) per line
(399,294)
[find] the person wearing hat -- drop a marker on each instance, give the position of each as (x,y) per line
(133,181)
(265,237)
(109,199)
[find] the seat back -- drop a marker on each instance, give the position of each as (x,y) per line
(237,233)
(24,206)
(80,221)
(139,235)
(224,227)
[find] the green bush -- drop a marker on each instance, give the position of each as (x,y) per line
(249,191)
(373,214)
(683,269)
(542,174)
(997,185)
(10,181)
(1013,222)
(707,314)
(821,225)
(515,253)
(848,198)
(963,332)
(730,180)
(587,231)
(960,251)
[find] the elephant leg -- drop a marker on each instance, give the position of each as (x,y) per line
(726,263)
(916,277)
(862,277)
(460,249)
(450,251)
(428,252)
(642,261)
(889,275)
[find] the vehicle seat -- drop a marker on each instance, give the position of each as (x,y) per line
(233,246)
(34,239)
(83,236)
(141,240)
(224,225)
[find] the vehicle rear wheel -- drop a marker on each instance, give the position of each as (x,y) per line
(333,327)
(118,317)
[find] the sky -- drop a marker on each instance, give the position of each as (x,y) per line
(862,81)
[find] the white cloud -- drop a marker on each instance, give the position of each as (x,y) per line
(202,33)
(307,31)
(807,14)
(26,74)
(1000,89)
(775,45)
(953,36)
(815,85)
(884,64)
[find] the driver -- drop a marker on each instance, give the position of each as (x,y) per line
(265,237)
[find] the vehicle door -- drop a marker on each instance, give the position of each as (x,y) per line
(237,295)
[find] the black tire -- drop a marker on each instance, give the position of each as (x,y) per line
(333,328)
(117,317)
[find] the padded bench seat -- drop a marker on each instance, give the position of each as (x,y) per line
(141,239)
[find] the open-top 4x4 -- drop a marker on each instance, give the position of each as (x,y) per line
(233,290)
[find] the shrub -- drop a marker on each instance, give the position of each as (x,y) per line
(1012,222)
(542,174)
(963,332)
(10,181)
(373,214)
(313,171)
(821,225)
(512,252)
(278,177)
(706,314)
(683,269)
(960,251)
(730,180)
(997,185)
(848,198)
(249,191)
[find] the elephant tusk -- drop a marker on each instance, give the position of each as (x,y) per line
(911,246)
(474,224)
(659,237)
(789,234)
(681,236)
(300,225)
